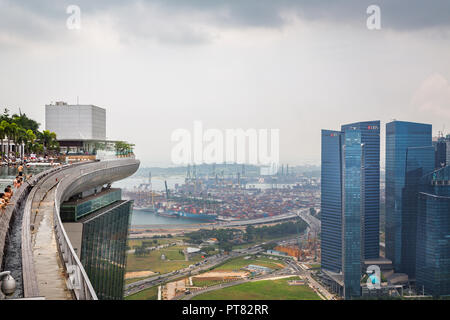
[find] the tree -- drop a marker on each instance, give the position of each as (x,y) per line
(48,140)
(31,140)
(24,122)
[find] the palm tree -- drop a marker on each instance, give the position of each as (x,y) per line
(48,139)
(31,139)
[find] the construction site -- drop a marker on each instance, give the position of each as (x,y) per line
(304,250)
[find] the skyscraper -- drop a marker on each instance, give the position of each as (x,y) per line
(98,228)
(331,203)
(369,133)
(401,138)
(350,200)
(419,161)
(433,234)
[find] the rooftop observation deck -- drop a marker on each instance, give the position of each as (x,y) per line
(50,267)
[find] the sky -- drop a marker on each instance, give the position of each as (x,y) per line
(297,66)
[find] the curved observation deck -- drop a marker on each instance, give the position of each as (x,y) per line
(51,268)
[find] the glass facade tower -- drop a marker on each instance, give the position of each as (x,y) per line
(370,186)
(401,137)
(103,253)
(433,234)
(331,204)
(419,161)
(352,207)
(350,201)
(97,226)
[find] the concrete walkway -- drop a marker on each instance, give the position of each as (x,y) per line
(47,263)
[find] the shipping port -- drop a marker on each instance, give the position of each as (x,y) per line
(215,197)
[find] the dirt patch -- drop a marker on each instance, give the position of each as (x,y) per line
(138,274)
(221,275)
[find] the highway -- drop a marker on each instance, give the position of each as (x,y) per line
(313,223)
(237,223)
(204,265)
(234,283)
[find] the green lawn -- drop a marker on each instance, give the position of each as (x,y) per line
(261,290)
(238,263)
(137,242)
(152,261)
(147,294)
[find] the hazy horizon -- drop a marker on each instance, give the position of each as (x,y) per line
(297,66)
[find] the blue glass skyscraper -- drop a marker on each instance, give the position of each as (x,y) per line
(331,203)
(351,215)
(433,234)
(370,163)
(350,200)
(401,138)
(419,161)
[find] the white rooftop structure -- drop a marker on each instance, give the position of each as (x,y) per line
(76,122)
(192,250)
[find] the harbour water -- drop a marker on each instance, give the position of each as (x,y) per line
(148,218)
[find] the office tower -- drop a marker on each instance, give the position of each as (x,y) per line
(97,226)
(369,135)
(331,204)
(400,136)
(350,200)
(433,233)
(419,161)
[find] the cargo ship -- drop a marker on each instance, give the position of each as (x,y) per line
(167,213)
(198,216)
(186,213)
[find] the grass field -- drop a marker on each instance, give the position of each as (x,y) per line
(137,242)
(147,294)
(152,261)
(261,290)
(238,263)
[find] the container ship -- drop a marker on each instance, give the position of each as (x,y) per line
(167,213)
(198,216)
(187,212)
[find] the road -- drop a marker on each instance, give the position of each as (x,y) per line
(237,223)
(132,288)
(204,265)
(234,283)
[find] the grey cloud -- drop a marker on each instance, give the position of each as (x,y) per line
(403,15)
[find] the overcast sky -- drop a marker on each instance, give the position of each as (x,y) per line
(297,66)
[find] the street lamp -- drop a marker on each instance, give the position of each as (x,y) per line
(8,284)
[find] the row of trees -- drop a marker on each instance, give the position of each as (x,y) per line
(22,130)
(124,148)
(251,234)
(276,231)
